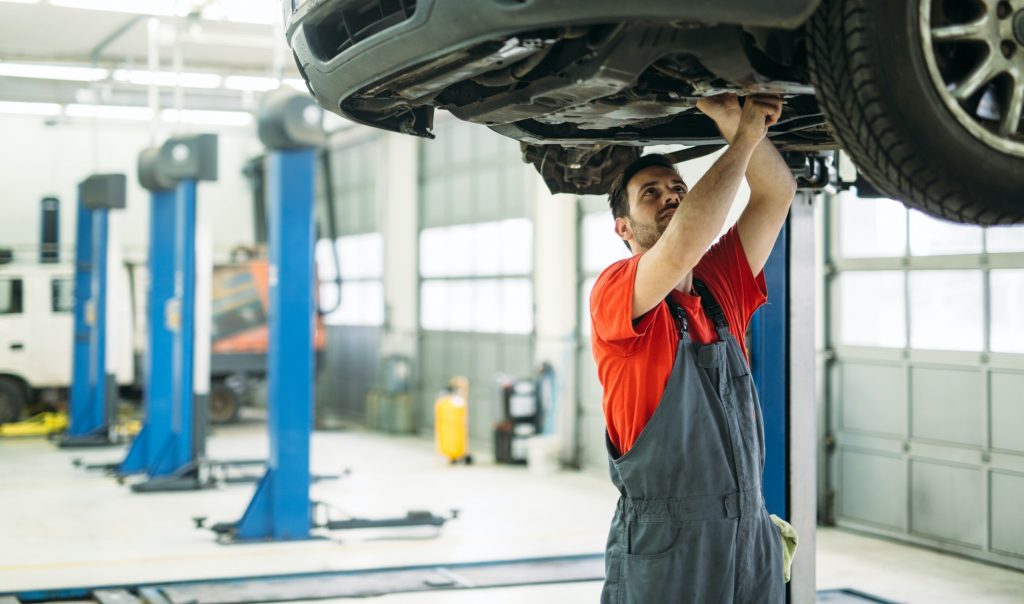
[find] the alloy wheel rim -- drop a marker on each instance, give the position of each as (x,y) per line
(975,55)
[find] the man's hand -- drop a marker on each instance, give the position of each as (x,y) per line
(761,111)
(724,110)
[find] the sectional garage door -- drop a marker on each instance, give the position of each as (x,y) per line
(925,379)
(476,267)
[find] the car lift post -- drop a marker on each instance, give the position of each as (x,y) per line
(174,460)
(783,366)
(93,396)
(280,508)
(150,451)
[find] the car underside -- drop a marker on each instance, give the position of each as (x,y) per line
(584,92)
(592,88)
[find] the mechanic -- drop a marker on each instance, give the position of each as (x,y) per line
(685,434)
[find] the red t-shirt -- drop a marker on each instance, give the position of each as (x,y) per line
(634,360)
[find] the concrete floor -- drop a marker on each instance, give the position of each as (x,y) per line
(64,526)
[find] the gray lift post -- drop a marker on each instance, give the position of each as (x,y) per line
(783,364)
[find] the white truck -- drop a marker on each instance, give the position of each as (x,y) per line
(36,331)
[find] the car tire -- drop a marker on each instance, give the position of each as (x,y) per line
(870,67)
(12,400)
(224,404)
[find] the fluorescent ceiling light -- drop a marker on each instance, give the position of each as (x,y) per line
(112,112)
(208,118)
(167,78)
(29,108)
(250,83)
(143,114)
(296,83)
(52,72)
(162,8)
(260,12)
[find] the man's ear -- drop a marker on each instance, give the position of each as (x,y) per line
(622,229)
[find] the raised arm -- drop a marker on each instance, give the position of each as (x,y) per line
(771,184)
(696,223)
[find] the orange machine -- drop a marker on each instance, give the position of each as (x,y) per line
(240,336)
(240,301)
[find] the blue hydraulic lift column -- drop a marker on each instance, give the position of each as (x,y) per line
(768,348)
(92,399)
(151,451)
(290,127)
(82,294)
(176,466)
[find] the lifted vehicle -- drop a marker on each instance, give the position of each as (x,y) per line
(926,96)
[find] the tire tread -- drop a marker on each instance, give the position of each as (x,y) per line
(843,72)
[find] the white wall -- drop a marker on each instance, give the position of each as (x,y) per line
(38,159)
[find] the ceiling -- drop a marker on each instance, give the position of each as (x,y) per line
(45,33)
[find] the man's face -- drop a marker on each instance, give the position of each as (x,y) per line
(654,194)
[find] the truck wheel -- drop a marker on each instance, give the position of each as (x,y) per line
(12,400)
(223,404)
(927,97)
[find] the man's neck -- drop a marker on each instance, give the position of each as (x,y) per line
(686,285)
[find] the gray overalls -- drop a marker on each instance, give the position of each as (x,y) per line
(690,525)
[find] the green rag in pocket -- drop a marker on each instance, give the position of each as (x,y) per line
(788,538)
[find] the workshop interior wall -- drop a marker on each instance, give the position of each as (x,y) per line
(67,150)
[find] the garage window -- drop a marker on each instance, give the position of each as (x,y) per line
(361,259)
(1007,328)
(871,228)
(599,248)
(871,308)
(476,277)
(1000,240)
(933,237)
(10,296)
(946,310)
(62,297)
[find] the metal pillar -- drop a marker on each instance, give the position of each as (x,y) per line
(172,441)
(768,366)
(93,391)
(802,432)
(175,464)
(83,334)
(150,451)
(280,508)
(782,363)
(182,318)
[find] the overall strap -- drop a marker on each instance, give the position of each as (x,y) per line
(679,314)
(711,306)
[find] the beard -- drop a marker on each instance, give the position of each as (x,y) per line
(646,234)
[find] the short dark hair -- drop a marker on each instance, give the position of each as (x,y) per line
(618,198)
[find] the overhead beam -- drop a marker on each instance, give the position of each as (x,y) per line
(94,55)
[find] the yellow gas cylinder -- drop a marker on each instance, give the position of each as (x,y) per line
(451,421)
